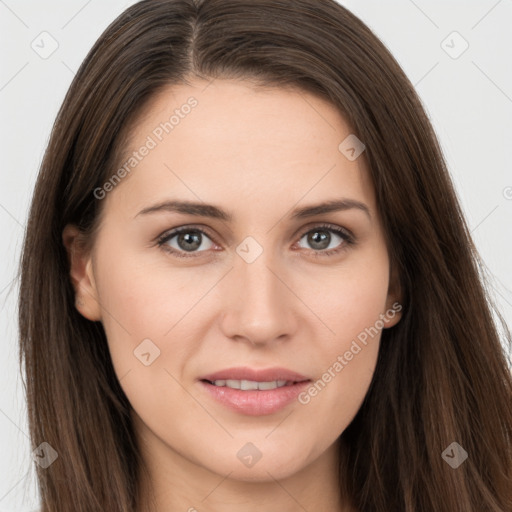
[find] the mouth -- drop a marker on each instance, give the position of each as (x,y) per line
(247,376)
(254,392)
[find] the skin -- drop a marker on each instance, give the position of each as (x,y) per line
(259,154)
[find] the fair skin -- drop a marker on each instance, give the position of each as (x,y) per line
(259,154)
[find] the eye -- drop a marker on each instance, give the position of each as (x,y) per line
(325,239)
(188,240)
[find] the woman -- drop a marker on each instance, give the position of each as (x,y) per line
(247,282)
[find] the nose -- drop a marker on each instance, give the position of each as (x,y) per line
(260,308)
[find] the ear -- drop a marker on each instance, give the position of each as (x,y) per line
(394,306)
(81,273)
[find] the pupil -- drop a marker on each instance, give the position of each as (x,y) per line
(318,238)
(192,238)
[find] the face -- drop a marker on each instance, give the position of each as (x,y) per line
(258,280)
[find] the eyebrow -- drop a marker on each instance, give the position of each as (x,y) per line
(214,212)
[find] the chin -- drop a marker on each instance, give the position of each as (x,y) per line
(268,468)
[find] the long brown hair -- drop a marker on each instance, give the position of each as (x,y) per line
(442,374)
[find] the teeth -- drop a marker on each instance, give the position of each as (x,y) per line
(247,385)
(234,384)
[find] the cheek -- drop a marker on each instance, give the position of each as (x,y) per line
(151,308)
(348,300)
(131,310)
(352,310)
(347,367)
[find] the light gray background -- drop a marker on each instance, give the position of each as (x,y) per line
(469,100)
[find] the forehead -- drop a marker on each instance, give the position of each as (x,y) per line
(227,139)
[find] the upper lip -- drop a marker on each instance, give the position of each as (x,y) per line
(257,375)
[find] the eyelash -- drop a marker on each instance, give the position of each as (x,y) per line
(348,238)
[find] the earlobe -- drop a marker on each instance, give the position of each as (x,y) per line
(81,273)
(393,312)
(394,306)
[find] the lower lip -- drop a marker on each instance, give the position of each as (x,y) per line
(255,402)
